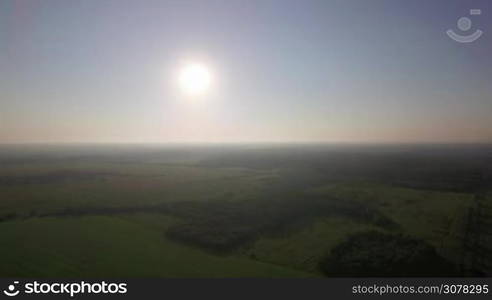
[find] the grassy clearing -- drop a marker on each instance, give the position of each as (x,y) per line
(437,217)
(305,248)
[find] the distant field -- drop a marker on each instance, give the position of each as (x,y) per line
(235,212)
(115,185)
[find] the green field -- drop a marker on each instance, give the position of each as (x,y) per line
(126,246)
(161,217)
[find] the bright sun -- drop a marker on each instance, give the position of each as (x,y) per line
(194,79)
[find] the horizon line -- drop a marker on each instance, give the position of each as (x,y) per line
(251,143)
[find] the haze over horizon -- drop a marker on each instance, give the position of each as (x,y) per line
(280,71)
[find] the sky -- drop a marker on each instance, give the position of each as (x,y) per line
(371,71)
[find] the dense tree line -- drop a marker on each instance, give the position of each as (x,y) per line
(222,226)
(377,254)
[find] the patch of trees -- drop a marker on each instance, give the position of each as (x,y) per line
(376,254)
(222,226)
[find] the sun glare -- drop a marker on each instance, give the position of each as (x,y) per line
(194,79)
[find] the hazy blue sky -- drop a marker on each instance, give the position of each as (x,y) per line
(284,70)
